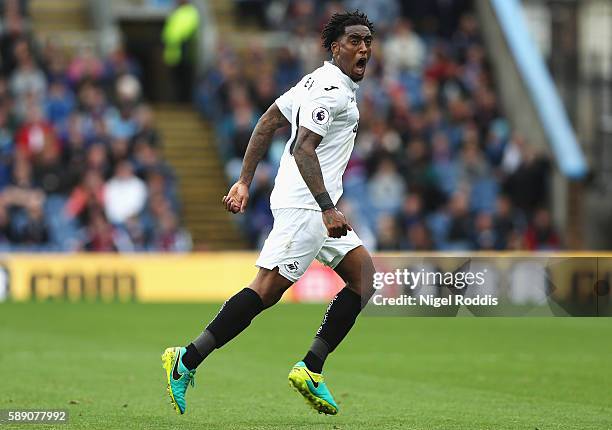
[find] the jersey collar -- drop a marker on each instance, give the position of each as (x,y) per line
(347,80)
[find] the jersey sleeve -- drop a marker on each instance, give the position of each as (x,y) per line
(285,103)
(319,108)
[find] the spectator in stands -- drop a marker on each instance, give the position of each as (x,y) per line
(386,187)
(74,153)
(411,211)
(25,202)
(100,235)
(147,160)
(404,51)
(59,103)
(54,61)
(121,121)
(239,124)
(445,166)
(98,159)
(21,191)
(27,79)
(158,183)
(86,197)
(12,31)
(471,165)
(496,141)
(418,170)
(125,194)
(528,185)
(466,36)
(145,129)
(485,235)
(49,173)
(388,234)
(541,234)
(35,134)
(85,66)
(119,151)
(306,47)
(32,228)
(264,90)
(460,223)
(132,236)
(168,236)
(288,70)
(128,91)
(418,238)
(507,222)
(119,63)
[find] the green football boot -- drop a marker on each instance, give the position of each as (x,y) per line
(178,377)
(312,387)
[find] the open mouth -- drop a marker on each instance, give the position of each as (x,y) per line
(361,65)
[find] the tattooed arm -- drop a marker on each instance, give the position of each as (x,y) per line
(236,199)
(307,161)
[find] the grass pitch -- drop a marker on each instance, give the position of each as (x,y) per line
(102,363)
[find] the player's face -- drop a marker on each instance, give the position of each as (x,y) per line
(353,50)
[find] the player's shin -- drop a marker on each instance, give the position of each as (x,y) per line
(337,322)
(234,316)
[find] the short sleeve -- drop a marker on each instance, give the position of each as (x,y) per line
(285,103)
(318,111)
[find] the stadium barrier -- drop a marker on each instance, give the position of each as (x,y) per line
(213,277)
(200,277)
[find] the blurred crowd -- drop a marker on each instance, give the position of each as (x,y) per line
(435,166)
(80,161)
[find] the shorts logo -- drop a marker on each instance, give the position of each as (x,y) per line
(320,115)
(292,267)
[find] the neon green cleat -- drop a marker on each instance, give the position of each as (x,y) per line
(178,377)
(313,388)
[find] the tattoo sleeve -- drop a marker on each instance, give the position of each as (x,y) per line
(307,160)
(260,141)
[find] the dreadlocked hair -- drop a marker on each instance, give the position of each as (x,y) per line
(335,28)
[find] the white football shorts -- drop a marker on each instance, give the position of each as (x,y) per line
(297,238)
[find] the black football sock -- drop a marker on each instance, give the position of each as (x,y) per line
(235,315)
(199,349)
(316,355)
(337,322)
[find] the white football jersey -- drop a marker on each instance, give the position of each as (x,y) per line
(325,103)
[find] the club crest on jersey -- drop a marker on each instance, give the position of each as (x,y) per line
(320,115)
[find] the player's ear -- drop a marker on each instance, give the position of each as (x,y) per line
(335,47)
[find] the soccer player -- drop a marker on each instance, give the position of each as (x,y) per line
(322,111)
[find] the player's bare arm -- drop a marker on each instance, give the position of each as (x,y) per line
(238,196)
(307,161)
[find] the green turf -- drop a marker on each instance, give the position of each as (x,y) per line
(102,362)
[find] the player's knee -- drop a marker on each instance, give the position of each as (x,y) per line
(269,290)
(361,281)
(270,297)
(367,285)
(363,289)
